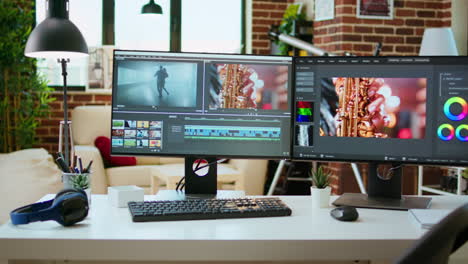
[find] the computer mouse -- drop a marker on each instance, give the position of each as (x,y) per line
(345,213)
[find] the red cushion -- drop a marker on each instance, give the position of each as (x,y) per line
(104,145)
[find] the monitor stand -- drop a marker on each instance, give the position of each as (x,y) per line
(384,192)
(199,184)
(201,181)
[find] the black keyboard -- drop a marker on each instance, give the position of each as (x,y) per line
(197,209)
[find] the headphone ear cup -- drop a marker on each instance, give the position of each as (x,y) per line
(72,205)
(65,191)
(82,192)
(70,191)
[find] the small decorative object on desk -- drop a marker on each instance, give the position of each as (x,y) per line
(119,196)
(75,175)
(320,190)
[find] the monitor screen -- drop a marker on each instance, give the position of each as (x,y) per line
(389,109)
(189,104)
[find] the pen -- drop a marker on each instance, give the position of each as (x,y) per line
(63,166)
(88,168)
(81,164)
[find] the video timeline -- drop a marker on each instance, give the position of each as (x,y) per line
(232,133)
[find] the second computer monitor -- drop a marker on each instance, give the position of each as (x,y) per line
(393,110)
(191,104)
(382,109)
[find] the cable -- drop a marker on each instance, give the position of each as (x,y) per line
(181,183)
(388,175)
(209,164)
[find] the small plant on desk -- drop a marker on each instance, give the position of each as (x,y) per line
(320,178)
(80,181)
(320,189)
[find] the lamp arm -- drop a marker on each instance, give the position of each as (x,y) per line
(63,62)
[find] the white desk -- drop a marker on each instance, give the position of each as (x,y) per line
(309,234)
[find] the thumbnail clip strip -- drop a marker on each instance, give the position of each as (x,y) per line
(449,103)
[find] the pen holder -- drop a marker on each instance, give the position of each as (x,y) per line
(80,181)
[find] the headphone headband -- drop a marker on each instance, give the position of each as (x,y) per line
(31,213)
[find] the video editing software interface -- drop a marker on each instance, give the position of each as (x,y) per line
(395,109)
(201,104)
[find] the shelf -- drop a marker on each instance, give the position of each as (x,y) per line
(434,189)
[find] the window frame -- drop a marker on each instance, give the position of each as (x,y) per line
(175,38)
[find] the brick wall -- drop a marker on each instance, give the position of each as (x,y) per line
(48,130)
(400,36)
(264,14)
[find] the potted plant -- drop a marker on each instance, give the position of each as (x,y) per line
(292,16)
(320,189)
(79,181)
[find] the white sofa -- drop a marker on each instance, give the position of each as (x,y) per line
(25,177)
(89,122)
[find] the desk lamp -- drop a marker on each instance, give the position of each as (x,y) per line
(57,37)
(438,42)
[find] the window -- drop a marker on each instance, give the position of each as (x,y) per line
(87,16)
(141,32)
(203,26)
(212,26)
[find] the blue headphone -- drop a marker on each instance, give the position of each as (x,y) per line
(69,206)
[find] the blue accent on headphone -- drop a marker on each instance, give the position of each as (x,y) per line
(69,206)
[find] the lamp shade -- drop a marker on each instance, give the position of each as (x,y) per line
(438,42)
(151,8)
(56,36)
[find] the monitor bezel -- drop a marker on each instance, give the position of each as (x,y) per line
(380,161)
(160,154)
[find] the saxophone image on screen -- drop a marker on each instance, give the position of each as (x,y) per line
(237,86)
(353,118)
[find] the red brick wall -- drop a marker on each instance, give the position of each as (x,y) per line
(400,36)
(48,130)
(264,14)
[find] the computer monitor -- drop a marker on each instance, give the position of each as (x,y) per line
(391,110)
(197,105)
